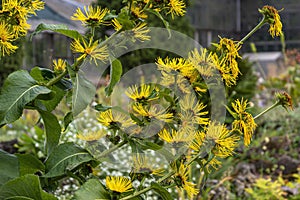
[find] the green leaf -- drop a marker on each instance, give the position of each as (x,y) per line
(161,191)
(83,91)
(9,167)
(102,108)
(58,95)
(92,189)
(165,22)
(19,89)
(68,119)
(115,75)
(66,156)
(52,130)
(29,164)
(25,187)
(58,28)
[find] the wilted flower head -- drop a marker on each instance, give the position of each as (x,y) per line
(273,18)
(284,99)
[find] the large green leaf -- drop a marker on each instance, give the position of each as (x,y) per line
(92,189)
(83,92)
(58,28)
(29,164)
(65,157)
(52,130)
(165,195)
(25,187)
(9,167)
(19,89)
(115,75)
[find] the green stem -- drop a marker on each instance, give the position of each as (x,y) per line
(137,193)
(267,110)
(108,151)
(258,26)
(57,78)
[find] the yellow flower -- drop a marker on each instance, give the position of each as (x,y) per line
(140,32)
(15,8)
(273,18)
(6,39)
(176,8)
(244,121)
(176,136)
(176,82)
(227,62)
(21,28)
(92,136)
(204,62)
(189,104)
(144,164)
(93,16)
(143,93)
(34,5)
(59,65)
(138,12)
(92,49)
(118,184)
(152,112)
(116,24)
(223,143)
(176,64)
(114,120)
(181,179)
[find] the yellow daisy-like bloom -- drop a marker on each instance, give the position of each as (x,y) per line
(118,184)
(15,8)
(227,63)
(114,120)
(92,49)
(6,39)
(143,164)
(204,62)
(176,136)
(273,18)
(34,5)
(223,142)
(244,121)
(152,112)
(142,93)
(93,16)
(181,179)
(116,24)
(176,64)
(21,28)
(92,136)
(189,104)
(140,32)
(176,82)
(138,12)
(177,7)
(59,65)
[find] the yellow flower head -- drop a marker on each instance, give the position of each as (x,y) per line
(223,143)
(176,64)
(140,32)
(6,39)
(15,8)
(284,99)
(92,136)
(227,62)
(176,137)
(189,104)
(176,8)
(144,164)
(273,18)
(116,24)
(93,16)
(244,121)
(114,120)
(92,49)
(141,94)
(59,65)
(34,5)
(181,179)
(118,184)
(138,12)
(204,62)
(152,112)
